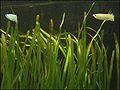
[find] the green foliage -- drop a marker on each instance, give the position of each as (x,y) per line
(63,61)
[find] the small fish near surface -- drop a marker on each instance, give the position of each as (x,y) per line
(11,17)
(107,17)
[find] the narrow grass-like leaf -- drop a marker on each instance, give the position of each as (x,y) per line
(111,68)
(89,47)
(4,61)
(118,60)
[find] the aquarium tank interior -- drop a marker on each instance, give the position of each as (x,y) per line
(59,44)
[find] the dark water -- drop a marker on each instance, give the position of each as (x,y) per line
(27,11)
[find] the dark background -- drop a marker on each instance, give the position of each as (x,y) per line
(27,11)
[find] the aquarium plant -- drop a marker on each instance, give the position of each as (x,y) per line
(42,60)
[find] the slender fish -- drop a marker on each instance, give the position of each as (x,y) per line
(11,17)
(107,17)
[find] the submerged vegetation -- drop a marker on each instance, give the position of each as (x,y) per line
(45,61)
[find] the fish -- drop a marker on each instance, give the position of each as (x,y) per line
(107,17)
(11,17)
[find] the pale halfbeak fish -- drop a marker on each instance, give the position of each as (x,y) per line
(11,17)
(107,17)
